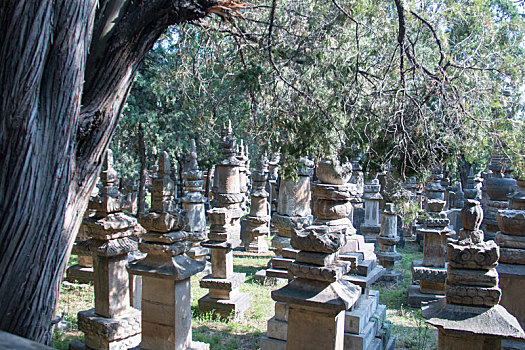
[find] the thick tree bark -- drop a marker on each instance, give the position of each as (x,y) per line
(58,110)
(143,172)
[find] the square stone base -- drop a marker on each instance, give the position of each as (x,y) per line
(117,333)
(391,276)
(261,277)
(272,344)
(415,297)
(512,284)
(80,274)
(226,308)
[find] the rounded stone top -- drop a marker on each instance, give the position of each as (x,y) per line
(334,173)
(471,215)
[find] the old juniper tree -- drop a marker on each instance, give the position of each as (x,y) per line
(66,69)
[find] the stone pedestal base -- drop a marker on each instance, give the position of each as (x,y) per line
(257,245)
(328,326)
(370,232)
(416,297)
(364,326)
(227,308)
(453,341)
(122,332)
(80,274)
(391,275)
(512,285)
(262,277)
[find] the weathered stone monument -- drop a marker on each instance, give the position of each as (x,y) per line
(371,225)
(293,213)
(273,183)
(473,186)
(387,239)
(193,203)
(258,220)
(322,307)
(496,187)
(224,296)
(244,173)
(431,272)
(166,269)
(317,297)
(470,316)
(82,271)
(112,323)
(511,240)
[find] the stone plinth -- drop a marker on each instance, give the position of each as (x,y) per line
(371,225)
(470,316)
(387,239)
(166,270)
(110,231)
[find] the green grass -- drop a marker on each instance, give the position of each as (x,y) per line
(408,326)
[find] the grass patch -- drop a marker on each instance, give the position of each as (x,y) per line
(408,326)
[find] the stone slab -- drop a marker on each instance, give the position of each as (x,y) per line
(272,344)
(366,266)
(10,341)
(261,277)
(357,319)
(80,274)
(278,273)
(277,329)
(366,281)
(415,297)
(362,340)
(289,253)
(281,263)
(226,308)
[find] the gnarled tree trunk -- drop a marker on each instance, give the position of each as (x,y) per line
(66,69)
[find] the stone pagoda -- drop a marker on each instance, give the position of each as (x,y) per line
(470,316)
(226,189)
(224,297)
(387,239)
(193,203)
(258,220)
(318,296)
(166,269)
(431,272)
(330,286)
(496,187)
(371,225)
(511,240)
(293,213)
(112,323)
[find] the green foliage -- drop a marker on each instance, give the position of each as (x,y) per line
(335,77)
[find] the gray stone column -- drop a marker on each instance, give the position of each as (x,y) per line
(387,239)
(371,225)
(193,203)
